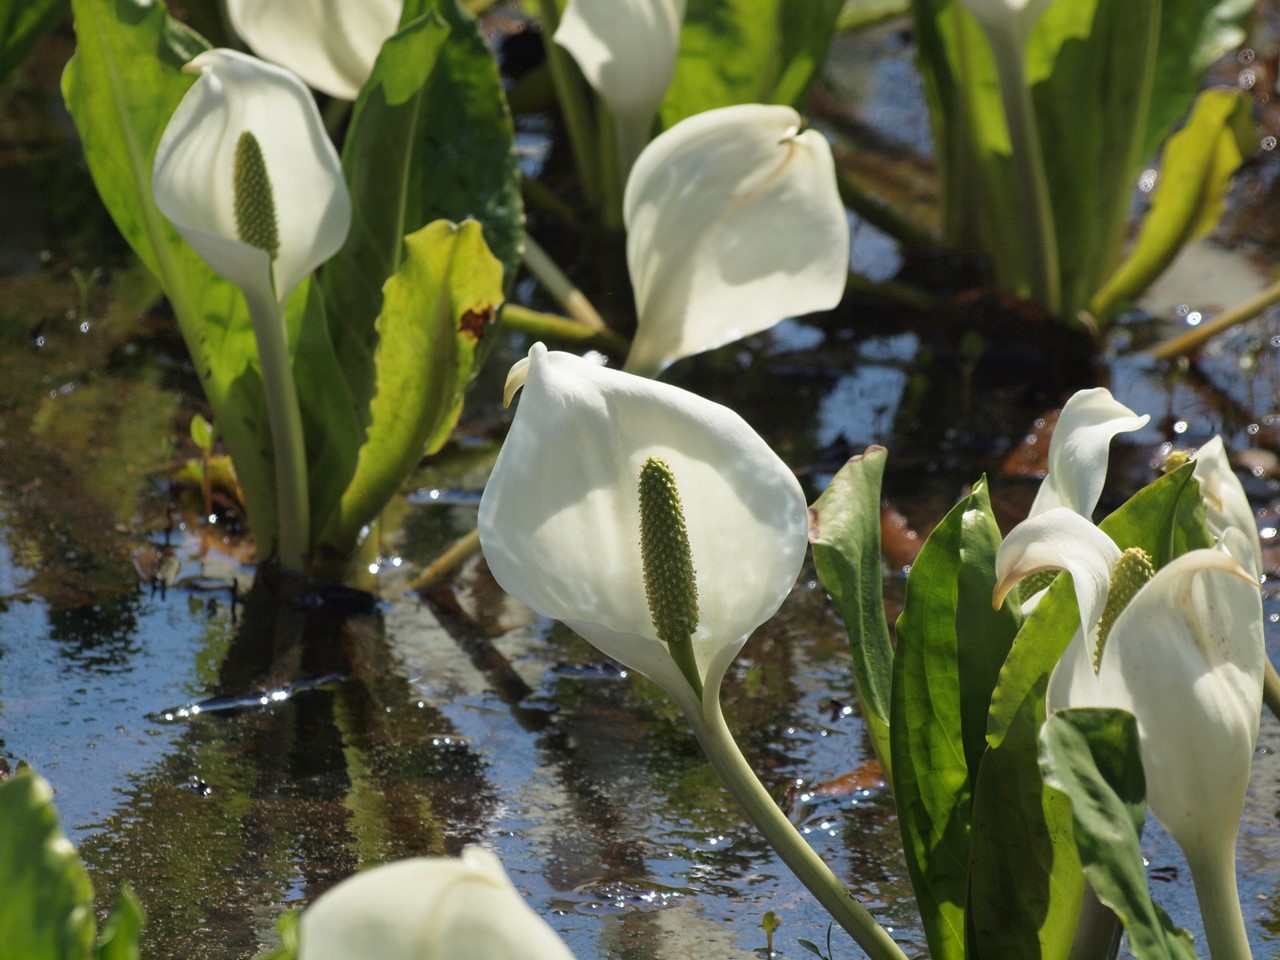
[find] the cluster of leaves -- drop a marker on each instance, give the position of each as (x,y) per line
(1139,67)
(1002,815)
(46,899)
(385,341)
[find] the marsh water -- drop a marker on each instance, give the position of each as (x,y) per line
(231,753)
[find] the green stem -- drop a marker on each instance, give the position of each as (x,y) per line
(723,753)
(1214,875)
(293,507)
(1194,338)
(1039,234)
(551,326)
(573,104)
(621,140)
(560,287)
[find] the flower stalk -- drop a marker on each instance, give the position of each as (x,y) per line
(727,760)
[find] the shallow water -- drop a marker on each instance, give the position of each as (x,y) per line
(343,729)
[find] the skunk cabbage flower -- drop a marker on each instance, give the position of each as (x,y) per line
(561,529)
(733,222)
(1079,448)
(1226,506)
(1180,649)
(330,44)
(627,51)
(428,908)
(246,174)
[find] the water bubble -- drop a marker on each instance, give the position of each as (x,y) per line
(1268,143)
(1147,182)
(1247,79)
(1180,426)
(1245,55)
(1194,318)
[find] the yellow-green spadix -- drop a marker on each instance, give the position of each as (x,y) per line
(560,516)
(194,177)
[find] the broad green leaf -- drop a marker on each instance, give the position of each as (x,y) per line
(1193,34)
(1024,898)
(1165,518)
(1103,54)
(969,134)
(434,312)
(1138,65)
(983,635)
(748,51)
(22,23)
(331,424)
(46,899)
(930,775)
(1092,756)
(121,87)
(844,530)
(123,930)
(1190,195)
(430,139)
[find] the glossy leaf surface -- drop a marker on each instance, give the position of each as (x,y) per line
(46,911)
(435,310)
(748,51)
(430,139)
(844,533)
(1092,755)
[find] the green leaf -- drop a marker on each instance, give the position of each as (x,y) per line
(1092,756)
(121,87)
(430,139)
(46,899)
(22,23)
(123,930)
(1190,195)
(1138,65)
(1025,894)
(844,529)
(930,774)
(748,51)
(287,927)
(1193,34)
(983,634)
(202,433)
(434,311)
(1164,518)
(1103,54)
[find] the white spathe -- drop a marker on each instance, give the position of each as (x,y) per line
(1079,450)
(428,908)
(192,179)
(734,222)
(330,44)
(1226,506)
(1186,657)
(560,519)
(627,51)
